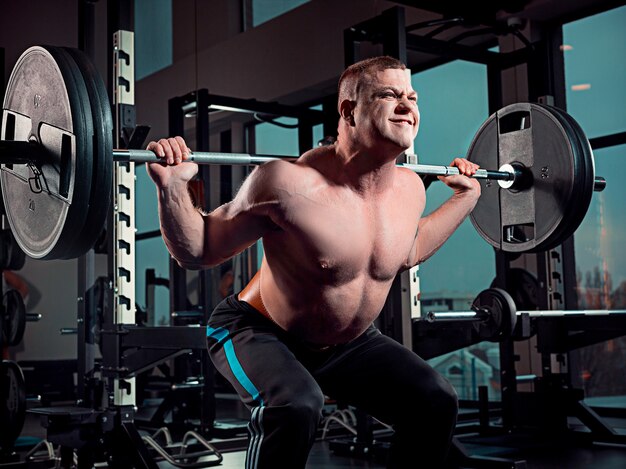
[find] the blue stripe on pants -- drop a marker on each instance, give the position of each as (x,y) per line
(221,335)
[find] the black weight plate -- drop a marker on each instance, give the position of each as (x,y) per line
(2,334)
(15,257)
(538,213)
(4,249)
(523,288)
(502,311)
(45,102)
(584,177)
(12,403)
(15,317)
(102,158)
(484,151)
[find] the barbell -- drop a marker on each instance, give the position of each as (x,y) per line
(495,309)
(56,155)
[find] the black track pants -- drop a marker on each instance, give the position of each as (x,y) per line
(283,381)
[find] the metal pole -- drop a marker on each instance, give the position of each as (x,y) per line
(147,156)
(482,315)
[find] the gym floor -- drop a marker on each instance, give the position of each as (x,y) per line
(538,454)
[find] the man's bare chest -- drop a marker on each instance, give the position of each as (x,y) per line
(344,237)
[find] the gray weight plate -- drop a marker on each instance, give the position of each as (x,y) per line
(47,204)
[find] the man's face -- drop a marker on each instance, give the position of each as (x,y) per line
(386,109)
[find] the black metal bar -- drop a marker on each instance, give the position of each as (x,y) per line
(19,152)
(164,337)
(219,102)
(2,78)
(147,235)
(305,135)
(350,45)
(608,140)
(329,108)
(394,33)
(453,51)
(142,360)
(207,280)
(86,29)
(178,280)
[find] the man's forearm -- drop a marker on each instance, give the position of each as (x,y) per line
(437,227)
(182,225)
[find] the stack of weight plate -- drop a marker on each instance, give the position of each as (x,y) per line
(12,327)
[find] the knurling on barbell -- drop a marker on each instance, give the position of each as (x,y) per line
(52,186)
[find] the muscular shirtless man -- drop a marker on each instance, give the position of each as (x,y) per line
(337,226)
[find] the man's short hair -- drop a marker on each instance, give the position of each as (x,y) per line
(352,78)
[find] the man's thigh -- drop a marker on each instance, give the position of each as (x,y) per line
(380,376)
(245,348)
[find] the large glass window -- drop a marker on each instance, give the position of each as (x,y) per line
(153,36)
(600,240)
(281,139)
(453,104)
(595,72)
(265,10)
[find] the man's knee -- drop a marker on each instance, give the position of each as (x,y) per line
(438,398)
(305,407)
(446,398)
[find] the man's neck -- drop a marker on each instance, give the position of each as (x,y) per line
(367,171)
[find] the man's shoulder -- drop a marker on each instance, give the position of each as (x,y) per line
(278,179)
(408,174)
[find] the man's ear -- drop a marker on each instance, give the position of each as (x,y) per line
(346,110)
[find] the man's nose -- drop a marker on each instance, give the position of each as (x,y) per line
(405,105)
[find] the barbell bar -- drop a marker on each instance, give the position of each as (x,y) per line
(481,314)
(495,313)
(56,155)
(20,152)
